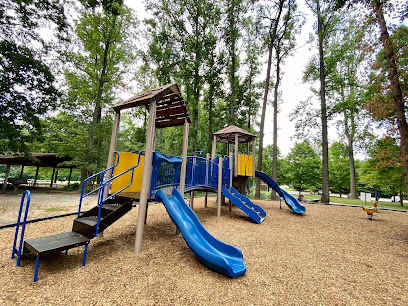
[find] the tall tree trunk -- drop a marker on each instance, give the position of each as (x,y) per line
(232,102)
(233,60)
(275,125)
(97,110)
(349,131)
(395,86)
(272,36)
(195,108)
(250,95)
(210,115)
(323,111)
(196,82)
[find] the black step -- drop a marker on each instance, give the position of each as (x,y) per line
(55,243)
(111,207)
(86,223)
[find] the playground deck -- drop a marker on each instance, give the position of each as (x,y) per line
(329,255)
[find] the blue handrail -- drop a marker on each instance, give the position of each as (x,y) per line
(102,173)
(102,188)
(226,174)
(200,153)
(20,249)
(201,172)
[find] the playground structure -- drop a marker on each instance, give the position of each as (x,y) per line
(133,177)
(371,210)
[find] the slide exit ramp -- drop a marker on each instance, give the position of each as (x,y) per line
(290,200)
(213,253)
(253,211)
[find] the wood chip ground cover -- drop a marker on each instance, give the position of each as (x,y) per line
(330,255)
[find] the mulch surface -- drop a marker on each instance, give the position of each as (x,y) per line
(330,255)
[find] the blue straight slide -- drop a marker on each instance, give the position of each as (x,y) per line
(254,211)
(213,253)
(290,200)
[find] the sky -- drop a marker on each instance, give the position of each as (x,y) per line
(292,88)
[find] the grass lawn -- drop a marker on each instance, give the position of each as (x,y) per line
(265,195)
(392,205)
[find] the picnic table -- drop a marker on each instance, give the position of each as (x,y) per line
(17,182)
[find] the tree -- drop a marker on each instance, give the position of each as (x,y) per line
(64,133)
(101,57)
(250,87)
(284,45)
(186,30)
(387,95)
(27,85)
(325,11)
(384,170)
(212,92)
(395,84)
(27,92)
(395,88)
(304,167)
(345,56)
(339,167)
(268,165)
(273,17)
(234,13)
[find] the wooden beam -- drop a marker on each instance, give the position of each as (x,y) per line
(184,158)
(147,177)
(36,174)
(192,194)
(69,177)
(219,187)
(236,155)
(214,147)
(230,182)
(21,172)
(52,177)
(253,157)
(4,188)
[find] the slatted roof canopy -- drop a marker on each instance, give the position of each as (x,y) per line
(228,134)
(40,159)
(171,108)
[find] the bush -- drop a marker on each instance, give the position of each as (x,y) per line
(71,187)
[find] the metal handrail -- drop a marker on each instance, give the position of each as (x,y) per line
(19,251)
(201,165)
(102,173)
(200,153)
(102,189)
(120,174)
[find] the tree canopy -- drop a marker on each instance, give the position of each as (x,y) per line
(27,85)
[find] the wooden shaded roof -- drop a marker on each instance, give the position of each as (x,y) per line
(39,159)
(171,108)
(228,134)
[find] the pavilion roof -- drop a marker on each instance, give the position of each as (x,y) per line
(228,134)
(171,108)
(39,159)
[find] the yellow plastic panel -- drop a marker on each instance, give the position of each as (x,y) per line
(126,161)
(245,165)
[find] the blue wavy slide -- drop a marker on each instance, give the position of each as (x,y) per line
(213,253)
(290,200)
(254,211)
